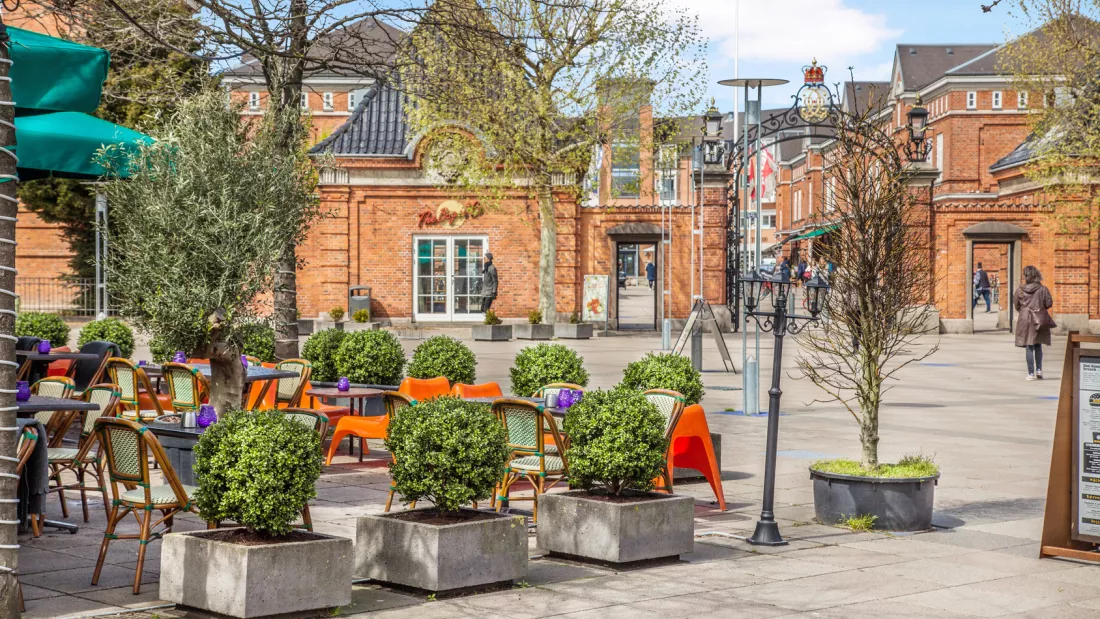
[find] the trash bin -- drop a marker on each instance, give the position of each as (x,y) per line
(358,299)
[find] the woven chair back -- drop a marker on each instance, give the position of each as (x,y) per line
(85,372)
(28,438)
(289,390)
(128,448)
(52,387)
(106,395)
(394,401)
(524,423)
(185,384)
(670,404)
(314,420)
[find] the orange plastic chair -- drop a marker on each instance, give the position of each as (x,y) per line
(421,389)
(692,448)
(484,390)
(198,362)
(363,427)
(61,366)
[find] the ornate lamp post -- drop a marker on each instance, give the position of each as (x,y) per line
(779,323)
(712,130)
(918,146)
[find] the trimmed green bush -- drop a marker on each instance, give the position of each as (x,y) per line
(371,357)
(542,364)
(320,349)
(41,325)
(491,318)
(617,441)
(336,313)
(257,468)
(534,317)
(108,330)
(447,451)
(258,340)
(444,356)
(361,315)
(665,371)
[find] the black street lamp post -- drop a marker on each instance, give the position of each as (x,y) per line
(918,146)
(779,322)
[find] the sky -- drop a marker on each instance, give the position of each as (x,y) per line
(779,37)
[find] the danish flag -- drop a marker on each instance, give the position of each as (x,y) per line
(768,166)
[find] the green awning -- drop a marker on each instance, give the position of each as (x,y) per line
(818,232)
(64,144)
(54,75)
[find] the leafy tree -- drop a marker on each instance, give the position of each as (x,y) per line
(544,86)
(208,210)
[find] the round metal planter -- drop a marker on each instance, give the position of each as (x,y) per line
(898,504)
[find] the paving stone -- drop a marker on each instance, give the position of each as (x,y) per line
(880,609)
(372,598)
(124,596)
(909,547)
(939,571)
(79,580)
(972,601)
(528,603)
(30,592)
(33,560)
(844,556)
(63,606)
(829,590)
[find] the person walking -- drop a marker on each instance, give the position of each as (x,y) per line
(651,273)
(1032,302)
(800,271)
(981,288)
(785,270)
(488,283)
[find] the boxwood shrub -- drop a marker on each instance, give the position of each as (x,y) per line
(371,357)
(542,364)
(443,355)
(159,350)
(447,451)
(258,340)
(258,469)
(108,330)
(320,349)
(617,441)
(41,325)
(665,371)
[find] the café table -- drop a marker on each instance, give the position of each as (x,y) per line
(41,361)
(356,395)
(178,443)
(555,411)
(254,373)
(41,404)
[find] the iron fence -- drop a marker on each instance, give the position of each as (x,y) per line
(56,295)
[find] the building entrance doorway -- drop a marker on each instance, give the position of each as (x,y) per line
(996,246)
(637,294)
(447,273)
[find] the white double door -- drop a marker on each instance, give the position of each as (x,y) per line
(447,274)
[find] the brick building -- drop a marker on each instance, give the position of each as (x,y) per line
(981,206)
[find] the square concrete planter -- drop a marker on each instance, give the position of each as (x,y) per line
(255,581)
(574,525)
(492,333)
(568,331)
(534,332)
(434,557)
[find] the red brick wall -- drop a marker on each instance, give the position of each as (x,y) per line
(41,250)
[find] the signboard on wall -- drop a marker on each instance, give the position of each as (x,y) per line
(595,298)
(1086,494)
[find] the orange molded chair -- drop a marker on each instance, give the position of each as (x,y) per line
(61,366)
(484,390)
(425,388)
(691,448)
(375,426)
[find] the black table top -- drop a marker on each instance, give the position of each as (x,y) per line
(490,400)
(34,355)
(175,429)
(255,372)
(40,404)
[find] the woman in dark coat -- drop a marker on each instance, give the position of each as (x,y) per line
(1032,302)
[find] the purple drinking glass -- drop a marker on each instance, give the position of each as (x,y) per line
(22,391)
(179,357)
(244,360)
(44,347)
(565,398)
(206,416)
(142,363)
(343,384)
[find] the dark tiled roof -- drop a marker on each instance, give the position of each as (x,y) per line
(923,64)
(859,95)
(376,127)
(1019,155)
(365,43)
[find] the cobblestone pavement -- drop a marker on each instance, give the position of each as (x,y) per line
(967,405)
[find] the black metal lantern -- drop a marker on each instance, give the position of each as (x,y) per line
(816,289)
(750,288)
(917,148)
(712,122)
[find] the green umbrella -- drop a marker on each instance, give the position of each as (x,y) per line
(64,144)
(54,75)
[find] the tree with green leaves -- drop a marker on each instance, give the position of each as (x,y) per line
(202,223)
(532,91)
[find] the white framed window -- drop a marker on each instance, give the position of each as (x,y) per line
(326,99)
(972,100)
(767,220)
(668,160)
(351,100)
(830,195)
(939,155)
(253,100)
(305,101)
(996,99)
(797,205)
(1021,100)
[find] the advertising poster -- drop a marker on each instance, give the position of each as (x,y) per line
(1088,456)
(595,298)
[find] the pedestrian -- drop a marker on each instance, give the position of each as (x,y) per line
(488,283)
(1032,302)
(822,268)
(801,271)
(981,288)
(785,270)
(651,273)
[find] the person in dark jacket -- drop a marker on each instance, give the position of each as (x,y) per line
(785,270)
(488,283)
(651,273)
(981,288)
(1032,302)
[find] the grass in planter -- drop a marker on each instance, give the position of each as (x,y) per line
(909,466)
(859,524)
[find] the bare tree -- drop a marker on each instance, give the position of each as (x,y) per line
(879,302)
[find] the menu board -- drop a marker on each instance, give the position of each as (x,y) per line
(595,298)
(1087,430)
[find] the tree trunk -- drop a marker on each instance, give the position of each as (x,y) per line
(226,379)
(547,255)
(868,411)
(9,542)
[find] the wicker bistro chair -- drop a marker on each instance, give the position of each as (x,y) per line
(187,386)
(81,460)
(532,459)
(137,397)
(554,388)
(394,402)
(671,406)
(87,372)
(318,422)
(289,391)
(128,447)
(28,438)
(56,422)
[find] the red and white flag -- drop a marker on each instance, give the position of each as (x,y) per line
(768,165)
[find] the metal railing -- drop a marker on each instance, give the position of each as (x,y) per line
(56,295)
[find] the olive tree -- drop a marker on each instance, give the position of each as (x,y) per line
(200,226)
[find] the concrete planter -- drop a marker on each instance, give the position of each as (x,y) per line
(899,504)
(568,331)
(255,581)
(492,333)
(573,525)
(362,326)
(305,326)
(441,557)
(534,332)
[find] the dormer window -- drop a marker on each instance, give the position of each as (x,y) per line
(996,99)
(253,100)
(326,99)
(972,100)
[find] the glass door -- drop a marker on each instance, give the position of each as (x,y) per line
(447,274)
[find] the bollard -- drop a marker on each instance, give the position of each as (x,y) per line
(697,348)
(666,335)
(752,387)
